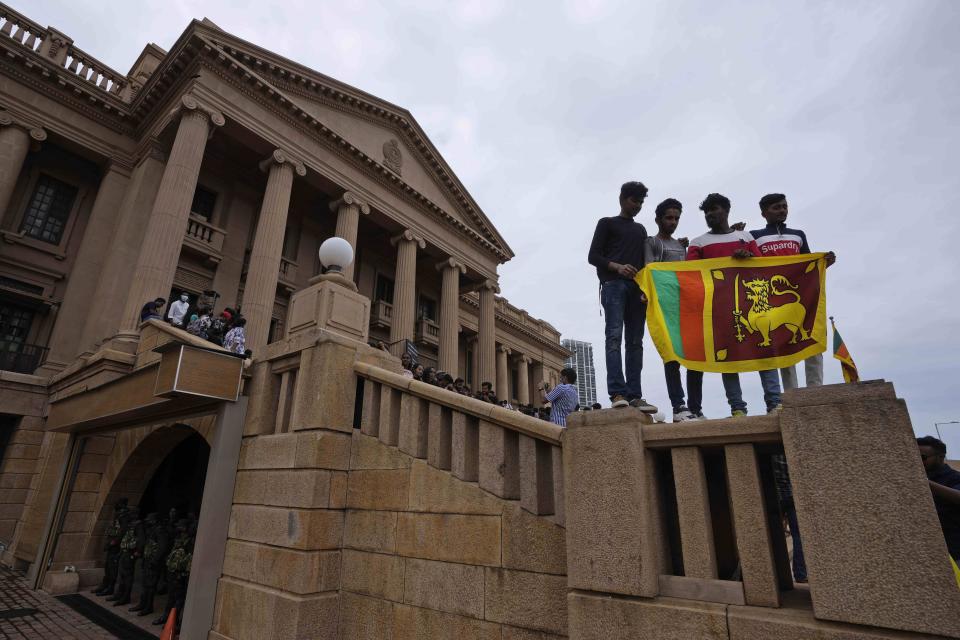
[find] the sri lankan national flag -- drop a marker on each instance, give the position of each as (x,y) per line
(840,352)
(728,315)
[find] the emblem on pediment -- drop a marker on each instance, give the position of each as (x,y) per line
(391,155)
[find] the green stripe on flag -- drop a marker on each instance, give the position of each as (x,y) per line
(668,295)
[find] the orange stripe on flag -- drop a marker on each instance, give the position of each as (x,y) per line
(691,314)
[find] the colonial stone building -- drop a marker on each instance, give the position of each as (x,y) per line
(334,497)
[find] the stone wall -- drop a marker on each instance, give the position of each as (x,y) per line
(420,524)
(426,555)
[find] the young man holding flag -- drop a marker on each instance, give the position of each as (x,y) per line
(776,239)
(723,242)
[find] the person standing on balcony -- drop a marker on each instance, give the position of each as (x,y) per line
(236,339)
(562,398)
(617,252)
(153,309)
(945,487)
(178,310)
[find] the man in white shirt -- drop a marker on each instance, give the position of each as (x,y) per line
(178,310)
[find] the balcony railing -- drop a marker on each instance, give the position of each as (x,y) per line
(381,315)
(288,274)
(205,238)
(20,357)
(51,45)
(428,331)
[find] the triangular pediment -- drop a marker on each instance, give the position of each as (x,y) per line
(378,129)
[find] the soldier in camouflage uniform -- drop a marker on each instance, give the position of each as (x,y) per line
(178,572)
(170,526)
(131,548)
(112,548)
(150,566)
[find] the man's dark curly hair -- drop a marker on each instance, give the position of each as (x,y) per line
(633,190)
(933,443)
(713,200)
(769,199)
(669,203)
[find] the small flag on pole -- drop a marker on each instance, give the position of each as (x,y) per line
(840,352)
(412,351)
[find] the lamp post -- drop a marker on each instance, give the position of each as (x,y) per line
(335,254)
(936,425)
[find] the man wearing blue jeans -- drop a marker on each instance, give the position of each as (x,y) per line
(723,241)
(617,251)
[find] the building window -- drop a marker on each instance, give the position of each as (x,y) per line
(384,290)
(48,211)
(15,324)
(427,308)
(203,203)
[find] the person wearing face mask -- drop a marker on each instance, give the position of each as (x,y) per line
(178,310)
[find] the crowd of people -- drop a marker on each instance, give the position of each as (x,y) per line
(226,329)
(557,402)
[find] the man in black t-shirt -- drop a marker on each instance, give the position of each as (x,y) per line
(617,253)
(945,487)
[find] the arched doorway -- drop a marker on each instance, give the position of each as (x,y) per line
(178,481)
(165,470)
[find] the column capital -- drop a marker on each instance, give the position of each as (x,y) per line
(502,348)
(281,157)
(451,263)
(190,105)
(408,236)
(524,359)
(490,285)
(350,198)
(35,132)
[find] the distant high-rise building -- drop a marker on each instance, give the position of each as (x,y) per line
(581,360)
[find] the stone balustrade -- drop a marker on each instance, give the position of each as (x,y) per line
(717,511)
(94,72)
(21,29)
(510,455)
(205,237)
(683,522)
(288,273)
(56,48)
(381,313)
(428,331)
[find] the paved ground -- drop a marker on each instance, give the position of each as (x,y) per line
(34,615)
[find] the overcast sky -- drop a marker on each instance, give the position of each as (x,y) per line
(544,108)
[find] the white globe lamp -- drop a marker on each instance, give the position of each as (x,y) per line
(336,254)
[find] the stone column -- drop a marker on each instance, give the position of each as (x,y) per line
(503,373)
(126,237)
(260,289)
(14,145)
(348,209)
(523,380)
(404,287)
(449,356)
(78,300)
(486,351)
(157,262)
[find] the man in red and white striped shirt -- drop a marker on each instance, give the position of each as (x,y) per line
(723,242)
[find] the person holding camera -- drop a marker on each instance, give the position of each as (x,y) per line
(562,398)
